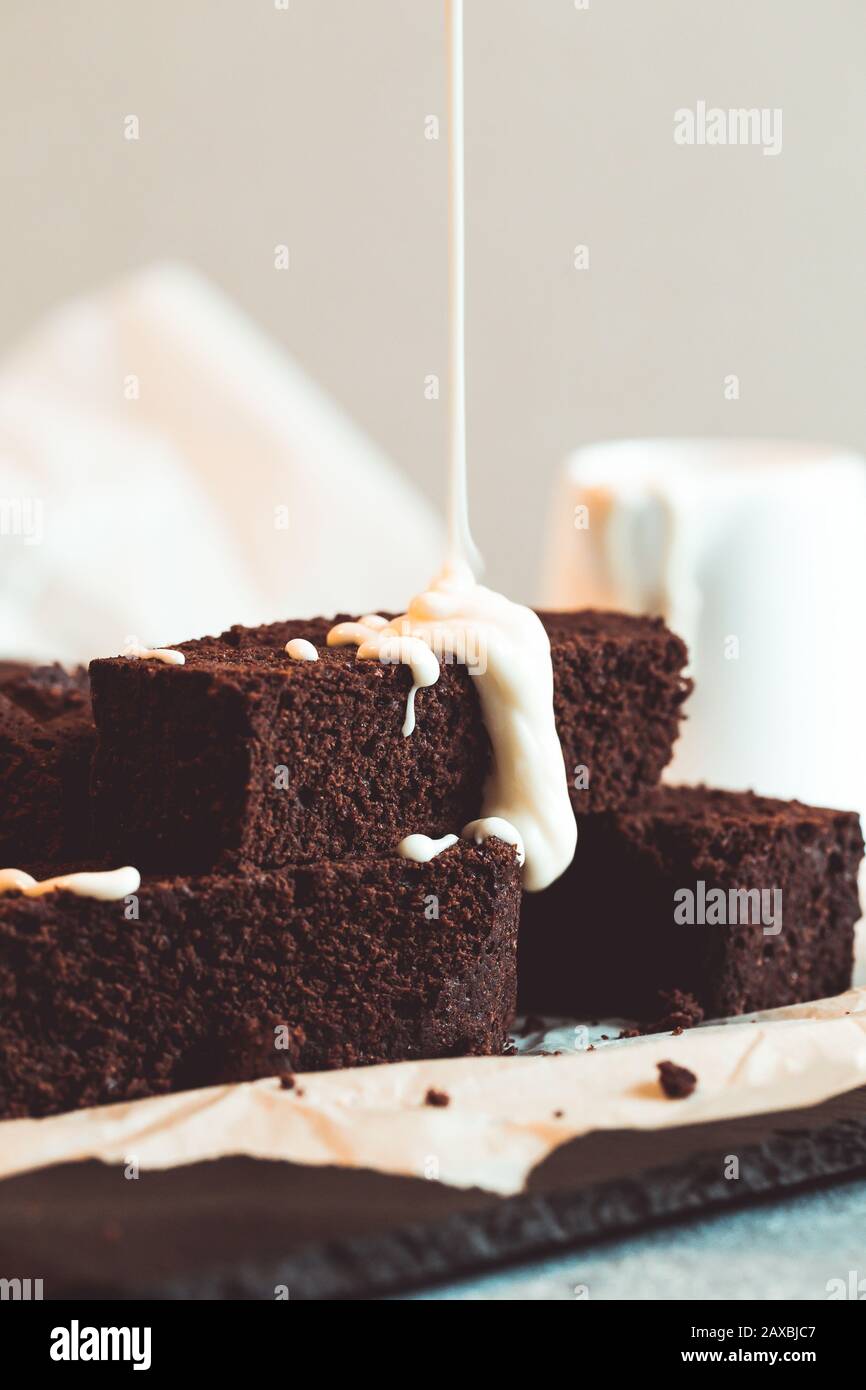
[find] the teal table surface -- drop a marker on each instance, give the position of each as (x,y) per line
(807,1247)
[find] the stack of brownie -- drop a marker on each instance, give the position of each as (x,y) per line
(277,928)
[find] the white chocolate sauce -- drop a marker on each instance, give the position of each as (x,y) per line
(108,885)
(381,640)
(421,848)
(461,547)
(502,644)
(510,660)
(481,830)
(299,649)
(163,654)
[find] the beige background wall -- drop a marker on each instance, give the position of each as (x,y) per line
(307,126)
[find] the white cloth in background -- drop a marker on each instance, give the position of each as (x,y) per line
(166,470)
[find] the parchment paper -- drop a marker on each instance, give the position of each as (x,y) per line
(502,1117)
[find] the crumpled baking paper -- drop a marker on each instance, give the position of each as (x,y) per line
(502,1116)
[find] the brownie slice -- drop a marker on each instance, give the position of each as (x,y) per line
(618,692)
(243,756)
(604,939)
(47,739)
(229,978)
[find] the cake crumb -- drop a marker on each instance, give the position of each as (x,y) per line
(681,1011)
(437,1098)
(558,1114)
(287,1082)
(676,1082)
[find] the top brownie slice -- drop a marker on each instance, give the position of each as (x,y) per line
(46,744)
(243,756)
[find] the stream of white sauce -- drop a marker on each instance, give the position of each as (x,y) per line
(502,644)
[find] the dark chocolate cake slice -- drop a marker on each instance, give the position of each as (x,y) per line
(191,982)
(738,901)
(243,756)
(46,745)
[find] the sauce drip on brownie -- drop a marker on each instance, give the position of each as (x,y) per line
(107,885)
(502,644)
(299,649)
(422,848)
(167,655)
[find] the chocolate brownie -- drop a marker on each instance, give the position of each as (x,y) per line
(198,981)
(243,756)
(46,745)
(605,937)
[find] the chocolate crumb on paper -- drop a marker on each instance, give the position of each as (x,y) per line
(681,1011)
(437,1098)
(676,1082)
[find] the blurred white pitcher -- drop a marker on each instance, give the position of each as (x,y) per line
(754,551)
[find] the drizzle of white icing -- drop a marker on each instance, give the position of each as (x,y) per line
(376,637)
(494,826)
(461,547)
(422,848)
(507,651)
(107,885)
(299,649)
(15,880)
(163,654)
(503,645)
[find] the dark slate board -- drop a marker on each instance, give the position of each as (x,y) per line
(239,1227)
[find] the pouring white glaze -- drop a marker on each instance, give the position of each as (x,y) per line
(503,645)
(391,647)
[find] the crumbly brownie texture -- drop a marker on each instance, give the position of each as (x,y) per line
(245,757)
(618,692)
(681,1011)
(603,940)
(348,959)
(188,766)
(47,739)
